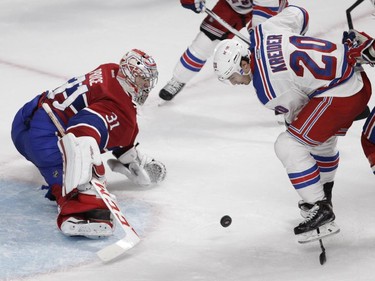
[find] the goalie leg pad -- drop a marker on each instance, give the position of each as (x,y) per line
(83,214)
(79,157)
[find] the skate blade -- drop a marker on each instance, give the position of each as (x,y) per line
(325,230)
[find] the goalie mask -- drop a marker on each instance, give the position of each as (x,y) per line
(227,59)
(138,75)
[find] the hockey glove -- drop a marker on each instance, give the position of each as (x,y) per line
(361,47)
(198,6)
(139,168)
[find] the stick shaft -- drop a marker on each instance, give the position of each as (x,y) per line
(53,118)
(348,13)
(227,26)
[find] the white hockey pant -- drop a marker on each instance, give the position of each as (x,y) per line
(194,58)
(306,174)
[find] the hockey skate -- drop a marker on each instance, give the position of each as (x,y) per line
(325,230)
(320,214)
(170,90)
(306,207)
(82,213)
(94,224)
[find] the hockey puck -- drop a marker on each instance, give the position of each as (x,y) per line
(226,221)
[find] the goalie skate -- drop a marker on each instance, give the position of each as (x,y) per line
(325,230)
(90,229)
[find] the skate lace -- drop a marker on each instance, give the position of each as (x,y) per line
(311,214)
(174,86)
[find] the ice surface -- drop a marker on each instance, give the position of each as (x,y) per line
(217,144)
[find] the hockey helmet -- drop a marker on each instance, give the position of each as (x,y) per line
(138,75)
(227,58)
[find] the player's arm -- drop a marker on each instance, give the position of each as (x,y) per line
(137,167)
(197,6)
(292,19)
(265,9)
(361,47)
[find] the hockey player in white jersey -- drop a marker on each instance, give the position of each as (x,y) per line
(236,13)
(310,81)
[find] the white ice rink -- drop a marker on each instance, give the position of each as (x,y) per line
(216,141)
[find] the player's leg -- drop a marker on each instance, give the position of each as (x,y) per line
(327,158)
(34,136)
(196,55)
(316,123)
(368,139)
(82,211)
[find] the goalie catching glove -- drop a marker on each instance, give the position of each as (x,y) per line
(139,168)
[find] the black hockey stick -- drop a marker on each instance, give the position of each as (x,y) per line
(227,26)
(348,13)
(322,256)
(366,112)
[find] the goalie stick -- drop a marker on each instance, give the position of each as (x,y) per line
(131,239)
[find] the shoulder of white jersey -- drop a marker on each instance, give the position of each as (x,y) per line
(292,19)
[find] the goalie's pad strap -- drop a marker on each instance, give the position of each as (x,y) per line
(79,156)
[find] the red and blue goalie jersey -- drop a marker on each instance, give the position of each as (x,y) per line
(96,105)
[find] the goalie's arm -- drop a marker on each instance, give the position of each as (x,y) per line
(137,167)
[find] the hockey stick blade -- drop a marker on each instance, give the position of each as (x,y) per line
(322,256)
(115,250)
(131,239)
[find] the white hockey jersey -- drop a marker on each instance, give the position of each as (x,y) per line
(289,69)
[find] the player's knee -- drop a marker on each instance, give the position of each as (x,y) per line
(203,46)
(287,148)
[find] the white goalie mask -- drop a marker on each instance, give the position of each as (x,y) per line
(138,75)
(227,58)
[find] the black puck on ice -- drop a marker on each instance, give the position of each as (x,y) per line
(226,221)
